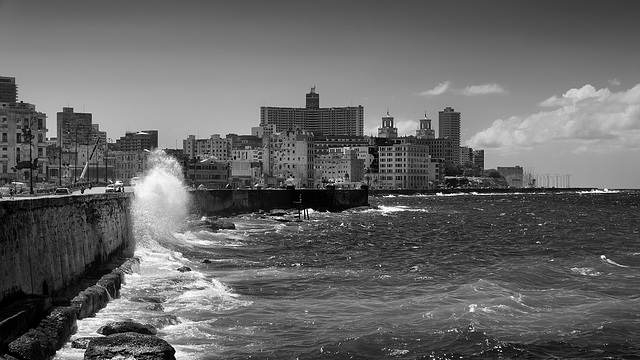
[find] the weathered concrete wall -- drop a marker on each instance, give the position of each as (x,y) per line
(243,201)
(49,243)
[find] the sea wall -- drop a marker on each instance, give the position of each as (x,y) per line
(224,202)
(49,243)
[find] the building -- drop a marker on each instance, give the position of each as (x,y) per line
(210,173)
(8,90)
(328,121)
(425,131)
(478,159)
(289,155)
(21,157)
(246,167)
(338,166)
(129,164)
(137,141)
(404,163)
(213,147)
(387,131)
(449,128)
(440,149)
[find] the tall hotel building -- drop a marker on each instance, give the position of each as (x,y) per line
(328,121)
(449,127)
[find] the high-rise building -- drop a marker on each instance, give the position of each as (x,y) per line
(8,90)
(449,127)
(74,128)
(328,121)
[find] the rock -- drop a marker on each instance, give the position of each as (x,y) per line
(154,307)
(129,346)
(148,299)
(219,224)
(164,320)
(81,343)
(184,269)
(119,327)
(206,261)
(33,345)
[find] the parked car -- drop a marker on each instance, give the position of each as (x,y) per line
(119,185)
(110,188)
(62,191)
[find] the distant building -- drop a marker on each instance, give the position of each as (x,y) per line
(441,149)
(478,159)
(425,131)
(213,147)
(449,128)
(137,141)
(387,131)
(339,166)
(327,121)
(74,127)
(8,90)
(16,154)
(211,173)
(404,163)
(129,164)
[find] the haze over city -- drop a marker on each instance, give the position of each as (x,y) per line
(553,86)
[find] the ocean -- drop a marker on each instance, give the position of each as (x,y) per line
(468,276)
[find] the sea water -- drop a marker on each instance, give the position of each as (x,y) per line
(548,275)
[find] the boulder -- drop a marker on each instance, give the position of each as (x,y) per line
(81,343)
(184,269)
(164,320)
(125,326)
(129,346)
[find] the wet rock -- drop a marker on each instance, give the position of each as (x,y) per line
(154,307)
(81,343)
(164,320)
(148,299)
(184,269)
(125,326)
(129,346)
(33,345)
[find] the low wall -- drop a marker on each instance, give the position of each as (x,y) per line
(247,200)
(49,243)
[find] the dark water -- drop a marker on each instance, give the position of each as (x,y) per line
(522,276)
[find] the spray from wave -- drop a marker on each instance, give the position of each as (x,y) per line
(161,202)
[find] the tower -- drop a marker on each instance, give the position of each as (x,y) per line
(387,130)
(449,127)
(313,99)
(425,131)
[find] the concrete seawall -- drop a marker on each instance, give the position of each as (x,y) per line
(49,243)
(225,202)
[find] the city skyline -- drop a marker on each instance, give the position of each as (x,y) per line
(552,86)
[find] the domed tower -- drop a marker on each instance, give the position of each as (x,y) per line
(387,130)
(425,131)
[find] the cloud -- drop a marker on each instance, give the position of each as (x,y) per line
(471,90)
(440,89)
(483,90)
(589,119)
(614,82)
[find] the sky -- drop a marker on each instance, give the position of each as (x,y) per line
(549,85)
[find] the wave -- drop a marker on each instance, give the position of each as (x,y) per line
(611,262)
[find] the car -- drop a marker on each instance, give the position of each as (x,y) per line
(119,185)
(62,191)
(110,188)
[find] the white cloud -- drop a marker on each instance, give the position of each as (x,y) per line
(483,90)
(574,95)
(586,118)
(440,89)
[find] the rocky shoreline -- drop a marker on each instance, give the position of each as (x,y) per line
(125,339)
